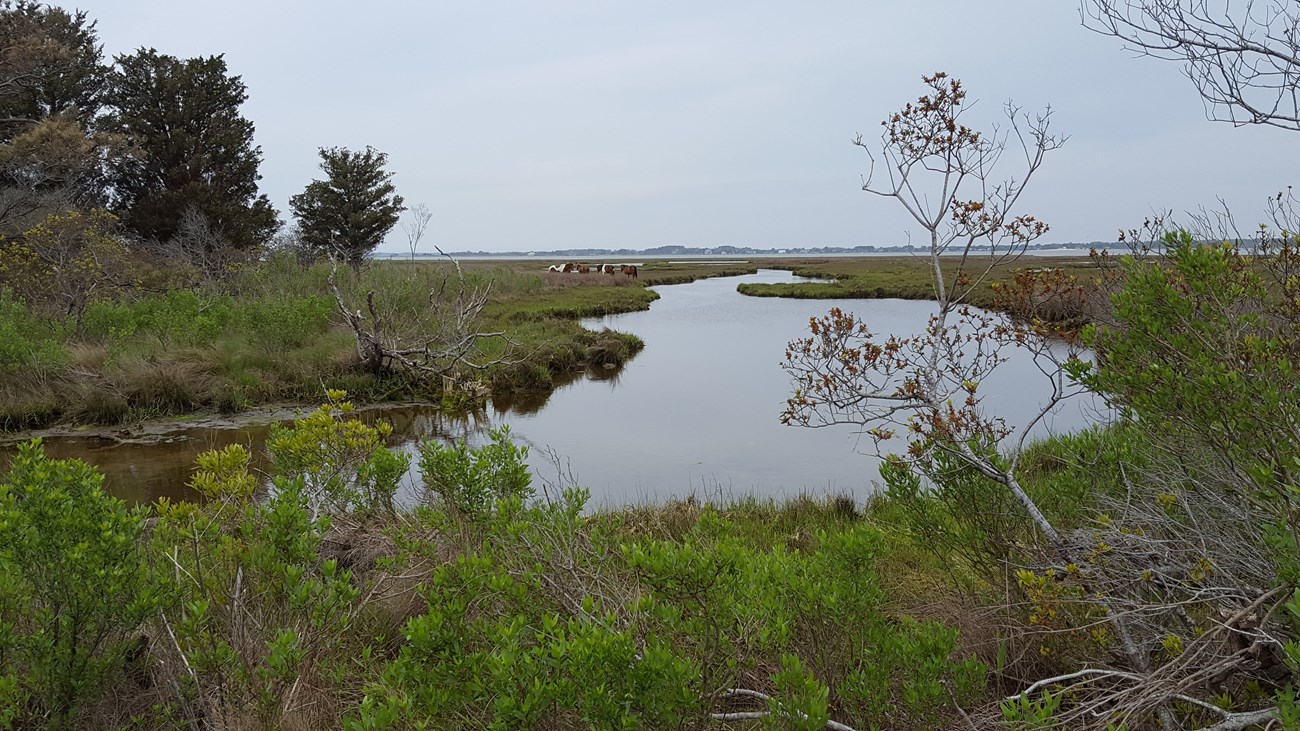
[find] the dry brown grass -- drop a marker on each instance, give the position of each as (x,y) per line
(573,279)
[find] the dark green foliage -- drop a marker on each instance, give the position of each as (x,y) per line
(185,318)
(73,587)
(349,213)
(721,598)
(1203,354)
(511,638)
(277,325)
(489,654)
(257,611)
(1068,472)
(194,149)
(536,615)
(180,317)
(1202,357)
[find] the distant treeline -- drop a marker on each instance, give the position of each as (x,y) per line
(742,251)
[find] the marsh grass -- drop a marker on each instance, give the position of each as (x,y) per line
(665,272)
(270,334)
(899,277)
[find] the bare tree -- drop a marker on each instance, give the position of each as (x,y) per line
(416,227)
(926,386)
(446,338)
(1243,58)
(200,244)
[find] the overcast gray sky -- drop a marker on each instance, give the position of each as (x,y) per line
(545,125)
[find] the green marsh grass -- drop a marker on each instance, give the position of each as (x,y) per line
(899,277)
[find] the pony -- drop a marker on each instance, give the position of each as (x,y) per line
(630,270)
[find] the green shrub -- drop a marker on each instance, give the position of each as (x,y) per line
(26,342)
(74,586)
(275,325)
(496,648)
(342,461)
(470,482)
(723,599)
(179,317)
(258,613)
(957,513)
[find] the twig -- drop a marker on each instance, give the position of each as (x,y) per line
(754,715)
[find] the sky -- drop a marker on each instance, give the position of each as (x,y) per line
(542,125)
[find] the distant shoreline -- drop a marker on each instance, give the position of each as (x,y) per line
(624,255)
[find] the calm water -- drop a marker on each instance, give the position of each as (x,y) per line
(695,413)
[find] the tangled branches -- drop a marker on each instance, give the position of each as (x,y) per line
(445,337)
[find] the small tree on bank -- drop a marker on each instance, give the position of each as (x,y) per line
(925,388)
(350,212)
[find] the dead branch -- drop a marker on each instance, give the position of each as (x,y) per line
(1244,61)
(755,715)
(449,343)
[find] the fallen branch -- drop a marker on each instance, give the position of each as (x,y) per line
(756,715)
(451,344)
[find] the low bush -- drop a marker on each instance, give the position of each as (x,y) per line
(319,603)
(74,587)
(27,343)
(177,318)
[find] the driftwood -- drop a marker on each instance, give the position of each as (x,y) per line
(447,345)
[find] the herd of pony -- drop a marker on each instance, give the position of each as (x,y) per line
(575,268)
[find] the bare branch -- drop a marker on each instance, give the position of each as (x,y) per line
(755,715)
(1244,61)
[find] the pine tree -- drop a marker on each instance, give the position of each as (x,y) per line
(349,213)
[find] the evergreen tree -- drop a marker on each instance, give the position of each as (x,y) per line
(51,80)
(195,152)
(51,63)
(349,213)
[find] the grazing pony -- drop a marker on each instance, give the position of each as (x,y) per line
(584,269)
(569,267)
(555,268)
(630,270)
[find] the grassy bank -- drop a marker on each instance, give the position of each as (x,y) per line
(270,333)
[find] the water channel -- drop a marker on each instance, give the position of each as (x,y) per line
(695,413)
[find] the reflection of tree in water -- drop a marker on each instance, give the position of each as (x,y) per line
(418,423)
(524,403)
(527,403)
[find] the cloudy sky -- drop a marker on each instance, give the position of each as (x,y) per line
(554,124)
